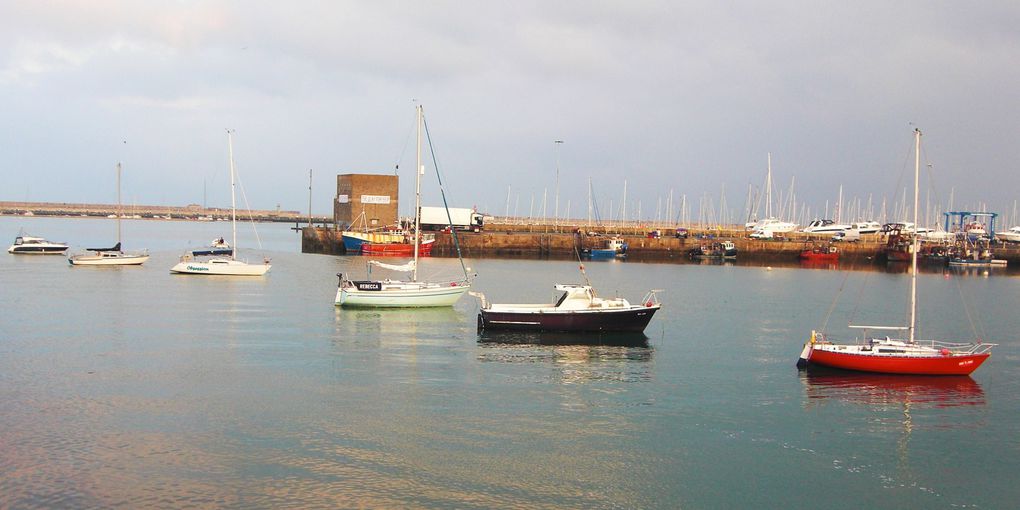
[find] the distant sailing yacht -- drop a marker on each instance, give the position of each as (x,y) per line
(404,293)
(110,256)
(221,265)
(898,356)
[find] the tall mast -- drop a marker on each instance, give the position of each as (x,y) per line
(417,194)
(556,144)
(624,202)
(233,200)
(119,211)
(839,210)
(309,197)
(913,254)
(589,203)
(768,188)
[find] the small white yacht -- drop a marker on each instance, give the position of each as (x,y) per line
(114,256)
(25,244)
(108,257)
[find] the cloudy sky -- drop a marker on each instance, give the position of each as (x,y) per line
(665,95)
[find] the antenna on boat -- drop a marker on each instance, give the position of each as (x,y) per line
(580,265)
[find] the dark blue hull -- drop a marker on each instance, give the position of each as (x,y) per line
(632,319)
(212,251)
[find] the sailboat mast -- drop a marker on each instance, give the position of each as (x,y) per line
(913,254)
(233,203)
(589,204)
(839,210)
(624,203)
(119,211)
(417,194)
(768,188)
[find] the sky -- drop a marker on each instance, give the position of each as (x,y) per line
(688,97)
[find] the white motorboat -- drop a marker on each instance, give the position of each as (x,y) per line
(819,226)
(223,266)
(1012,235)
(768,227)
(866,227)
(578,309)
(218,246)
(29,245)
(388,293)
(114,256)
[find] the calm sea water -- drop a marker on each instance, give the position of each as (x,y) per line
(130,387)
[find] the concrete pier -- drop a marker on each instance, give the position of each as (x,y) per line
(508,241)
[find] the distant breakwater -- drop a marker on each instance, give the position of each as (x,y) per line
(188,212)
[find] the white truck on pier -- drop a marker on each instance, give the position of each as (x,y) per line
(434,218)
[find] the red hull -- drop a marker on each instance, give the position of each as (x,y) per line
(932,365)
(813,256)
(396,249)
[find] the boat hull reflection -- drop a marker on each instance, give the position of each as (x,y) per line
(615,339)
(884,389)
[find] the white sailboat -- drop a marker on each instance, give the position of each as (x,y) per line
(411,293)
(113,256)
(223,266)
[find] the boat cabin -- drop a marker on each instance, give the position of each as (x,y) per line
(582,297)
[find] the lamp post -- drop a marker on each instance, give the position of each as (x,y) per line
(557,144)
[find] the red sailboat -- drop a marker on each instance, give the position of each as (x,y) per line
(892,355)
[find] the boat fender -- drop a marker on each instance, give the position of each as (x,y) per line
(945,352)
(453,284)
(648,304)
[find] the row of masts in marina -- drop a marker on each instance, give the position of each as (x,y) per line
(677,209)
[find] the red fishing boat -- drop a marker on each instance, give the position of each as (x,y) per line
(405,249)
(898,356)
(820,253)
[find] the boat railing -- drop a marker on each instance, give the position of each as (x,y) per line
(961,347)
(652,298)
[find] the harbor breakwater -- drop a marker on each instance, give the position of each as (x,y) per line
(506,242)
(188,212)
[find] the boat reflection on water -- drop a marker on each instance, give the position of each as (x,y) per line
(819,264)
(571,358)
(713,262)
(882,390)
(897,406)
(399,321)
(613,339)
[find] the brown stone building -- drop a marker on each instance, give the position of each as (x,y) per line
(374,196)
